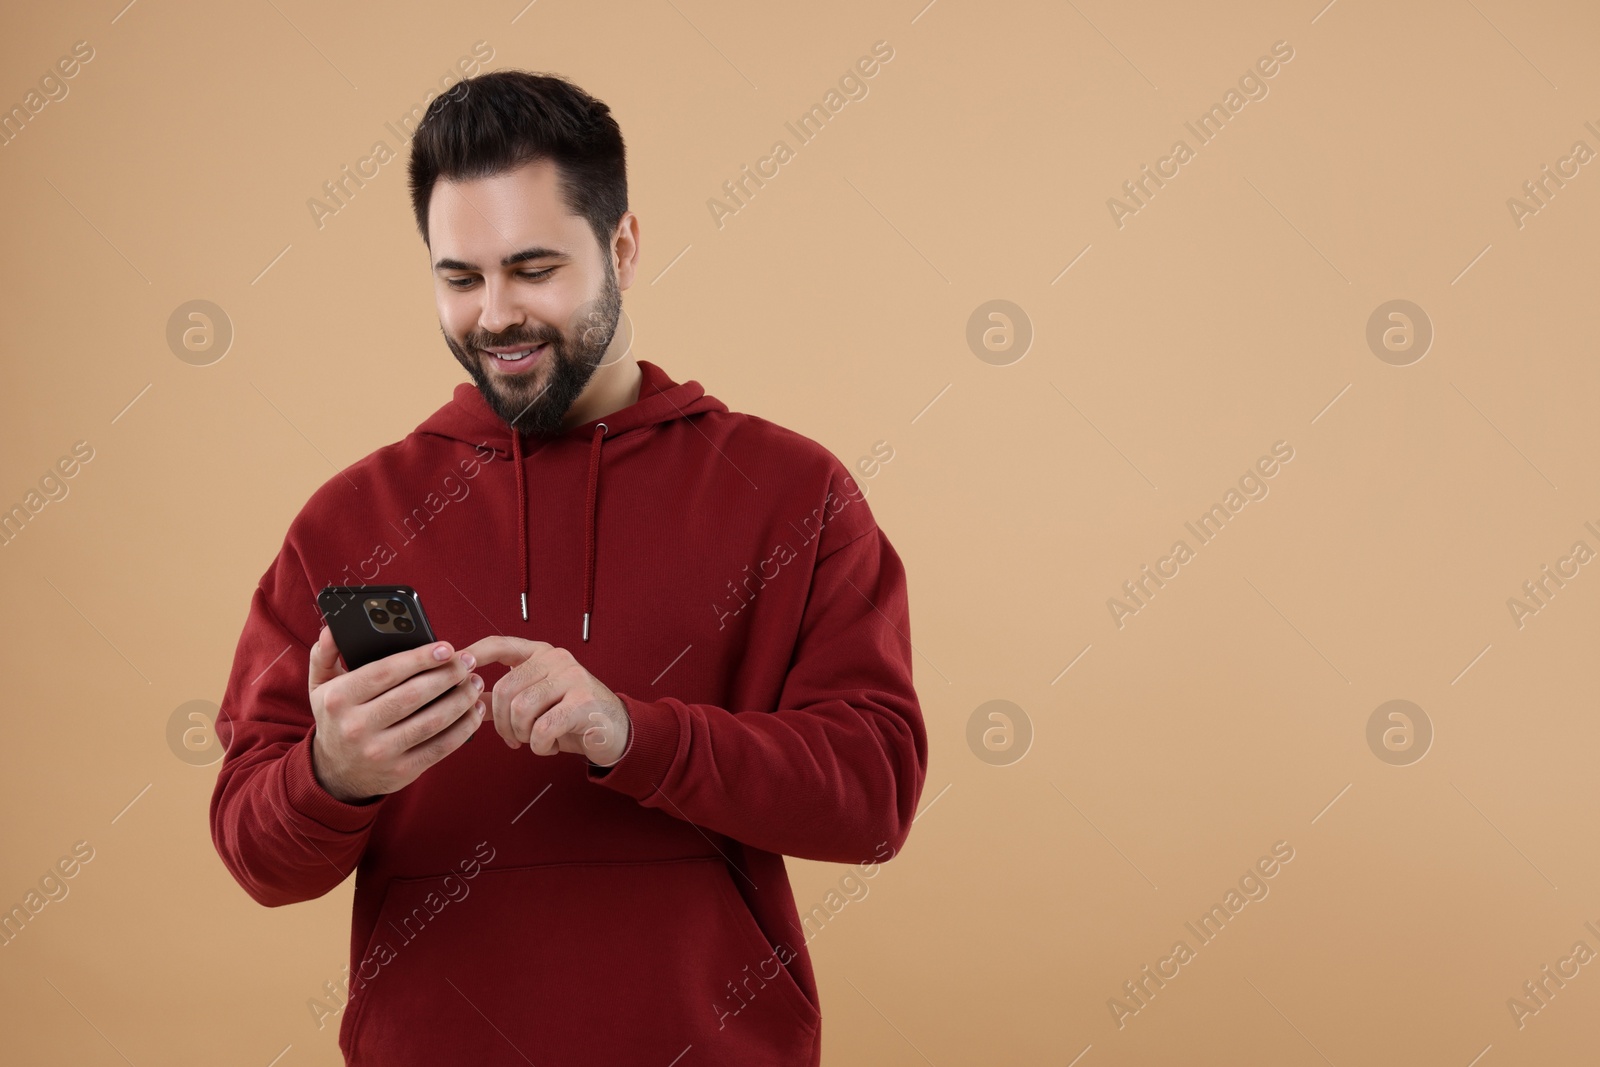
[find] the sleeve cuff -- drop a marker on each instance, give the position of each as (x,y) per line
(653,735)
(309,798)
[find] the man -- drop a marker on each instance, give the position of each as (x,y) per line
(687,630)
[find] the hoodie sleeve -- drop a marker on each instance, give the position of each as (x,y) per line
(279,832)
(835,771)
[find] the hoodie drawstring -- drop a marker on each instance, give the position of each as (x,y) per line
(588,541)
(522,515)
(592,499)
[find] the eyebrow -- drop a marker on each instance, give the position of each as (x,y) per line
(536,252)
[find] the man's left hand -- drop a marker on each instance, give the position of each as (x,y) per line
(548,701)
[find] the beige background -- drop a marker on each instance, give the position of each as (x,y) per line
(1228,314)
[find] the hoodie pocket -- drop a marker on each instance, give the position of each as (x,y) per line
(656,962)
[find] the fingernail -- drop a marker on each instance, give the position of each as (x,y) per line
(477,683)
(467,659)
(441,651)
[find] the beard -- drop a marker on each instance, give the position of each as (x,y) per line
(537,402)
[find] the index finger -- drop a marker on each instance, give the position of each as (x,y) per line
(382,675)
(499,648)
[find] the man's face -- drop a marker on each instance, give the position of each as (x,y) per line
(528,299)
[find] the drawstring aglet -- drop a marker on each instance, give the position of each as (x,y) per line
(586,626)
(524,607)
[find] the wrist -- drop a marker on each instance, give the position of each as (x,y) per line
(331,784)
(622,748)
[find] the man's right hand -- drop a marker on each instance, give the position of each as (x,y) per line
(380,726)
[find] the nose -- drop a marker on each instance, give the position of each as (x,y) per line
(499,311)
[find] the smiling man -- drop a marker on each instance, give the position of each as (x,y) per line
(683,622)
(530,372)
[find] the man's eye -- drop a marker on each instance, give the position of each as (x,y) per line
(531,275)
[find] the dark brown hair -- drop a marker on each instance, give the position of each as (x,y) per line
(500,120)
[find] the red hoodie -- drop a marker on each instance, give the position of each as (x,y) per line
(511,908)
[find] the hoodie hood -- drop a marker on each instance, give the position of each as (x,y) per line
(468,418)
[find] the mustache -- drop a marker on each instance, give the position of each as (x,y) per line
(482,341)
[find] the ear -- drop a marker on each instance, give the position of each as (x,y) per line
(624,251)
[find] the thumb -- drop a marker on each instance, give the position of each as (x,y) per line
(324,660)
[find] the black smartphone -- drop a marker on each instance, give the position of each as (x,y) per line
(370,622)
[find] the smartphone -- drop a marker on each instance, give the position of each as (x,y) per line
(370,622)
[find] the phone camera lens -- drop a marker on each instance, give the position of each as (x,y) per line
(403,625)
(395,607)
(378,615)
